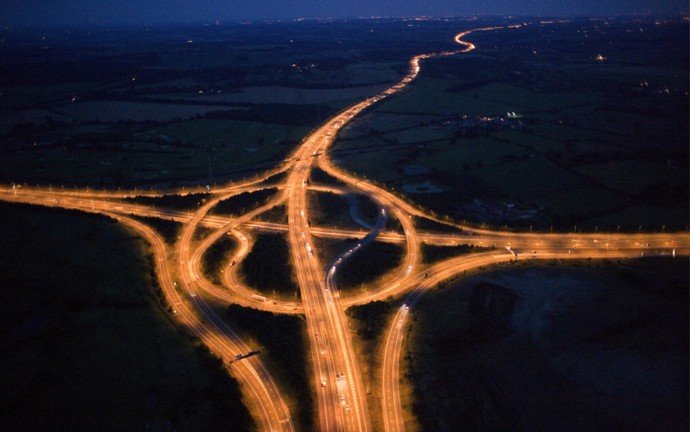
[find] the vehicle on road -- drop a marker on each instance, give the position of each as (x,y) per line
(259,297)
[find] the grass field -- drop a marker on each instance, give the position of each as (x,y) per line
(624,123)
(244,202)
(270,251)
(380,121)
(37,115)
(527,141)
(435,96)
(40,94)
(330,210)
(370,164)
(420,134)
(188,202)
(528,100)
(368,264)
(212,132)
(362,73)
(287,95)
(533,177)
(633,176)
(216,257)
(113,111)
(485,151)
(192,150)
(558,132)
(428,96)
(277,214)
(560,347)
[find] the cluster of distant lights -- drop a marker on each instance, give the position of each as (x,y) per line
(422,18)
(417,19)
(301,68)
(372,17)
(684,17)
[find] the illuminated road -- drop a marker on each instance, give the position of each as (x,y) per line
(199,320)
(274,412)
(341,399)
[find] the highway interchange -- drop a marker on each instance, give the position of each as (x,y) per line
(342,402)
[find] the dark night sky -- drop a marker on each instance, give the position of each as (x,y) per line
(52,12)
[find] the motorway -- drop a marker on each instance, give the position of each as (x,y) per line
(342,403)
(198,319)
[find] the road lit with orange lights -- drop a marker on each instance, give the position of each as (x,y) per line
(342,402)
